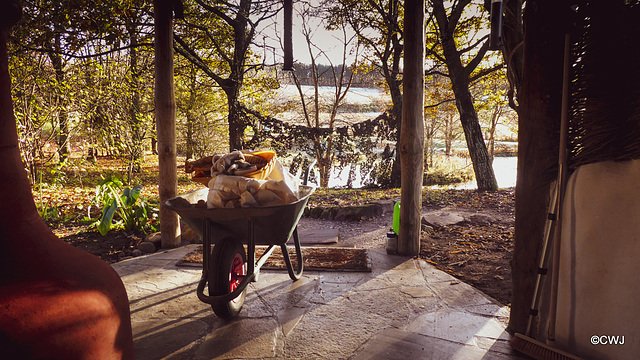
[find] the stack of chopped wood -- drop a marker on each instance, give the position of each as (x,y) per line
(255,165)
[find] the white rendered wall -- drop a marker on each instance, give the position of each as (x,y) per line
(599,285)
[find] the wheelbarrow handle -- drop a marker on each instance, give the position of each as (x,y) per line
(294,274)
(308,171)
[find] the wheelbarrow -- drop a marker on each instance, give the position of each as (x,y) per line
(226,269)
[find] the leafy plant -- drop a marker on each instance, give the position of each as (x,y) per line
(57,175)
(47,211)
(49,214)
(133,212)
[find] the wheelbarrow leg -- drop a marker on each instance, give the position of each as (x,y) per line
(294,274)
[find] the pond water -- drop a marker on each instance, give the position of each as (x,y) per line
(356,95)
(505,169)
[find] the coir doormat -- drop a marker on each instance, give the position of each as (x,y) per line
(315,259)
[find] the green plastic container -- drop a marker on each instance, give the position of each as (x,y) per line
(396,218)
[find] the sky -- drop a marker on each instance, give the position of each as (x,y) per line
(330,42)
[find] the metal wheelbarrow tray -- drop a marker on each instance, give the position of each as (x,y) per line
(226,268)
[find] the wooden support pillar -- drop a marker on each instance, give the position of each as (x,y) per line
(412,131)
(539,112)
(166,120)
(288,35)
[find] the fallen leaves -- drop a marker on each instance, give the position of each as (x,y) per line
(477,253)
(65,196)
(347,197)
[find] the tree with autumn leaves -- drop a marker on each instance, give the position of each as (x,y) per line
(217,37)
(217,41)
(456,40)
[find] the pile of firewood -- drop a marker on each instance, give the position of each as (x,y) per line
(240,163)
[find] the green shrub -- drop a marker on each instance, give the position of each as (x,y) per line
(448,171)
(134,213)
(49,214)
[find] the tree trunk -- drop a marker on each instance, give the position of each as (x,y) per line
(448,134)
(61,101)
(324,168)
(459,75)
(236,125)
(57,301)
(191,118)
(512,37)
(395,82)
(396,115)
(497,111)
(189,136)
(154,145)
(63,134)
(136,151)
(388,50)
(242,40)
(539,121)
(166,121)
(412,135)
(482,167)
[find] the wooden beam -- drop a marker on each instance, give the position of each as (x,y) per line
(166,120)
(412,130)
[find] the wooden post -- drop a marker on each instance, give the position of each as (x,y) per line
(166,120)
(539,113)
(288,35)
(412,130)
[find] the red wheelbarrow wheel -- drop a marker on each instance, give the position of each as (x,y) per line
(227,269)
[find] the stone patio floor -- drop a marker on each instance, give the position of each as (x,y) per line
(403,309)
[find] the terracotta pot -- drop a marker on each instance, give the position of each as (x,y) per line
(56,301)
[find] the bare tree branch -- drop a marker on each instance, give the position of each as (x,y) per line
(456,13)
(193,57)
(217,11)
(438,104)
(74,56)
(485,72)
(436,72)
(473,46)
(473,64)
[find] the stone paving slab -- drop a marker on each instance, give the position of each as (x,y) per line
(396,344)
(403,309)
(310,237)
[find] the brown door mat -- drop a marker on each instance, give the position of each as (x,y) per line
(315,259)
